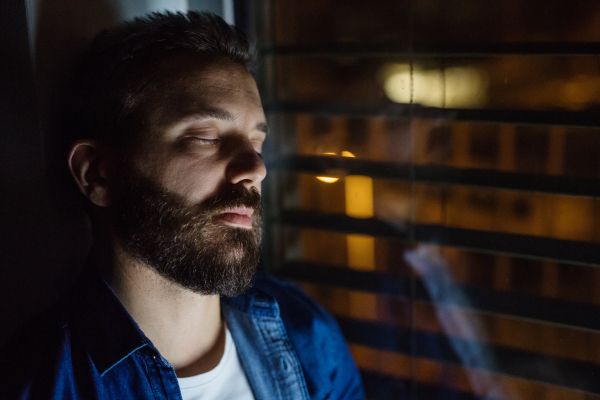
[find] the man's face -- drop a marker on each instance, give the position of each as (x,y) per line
(188,199)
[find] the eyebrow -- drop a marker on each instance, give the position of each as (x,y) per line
(207,112)
(224,115)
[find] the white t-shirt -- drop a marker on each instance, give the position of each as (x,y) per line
(226,381)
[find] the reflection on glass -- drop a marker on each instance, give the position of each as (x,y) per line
(452,87)
(477,336)
(461,57)
(449,274)
(503,82)
(432,270)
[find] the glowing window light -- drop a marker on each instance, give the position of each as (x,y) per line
(327,179)
(359,204)
(359,196)
(456,87)
(361,252)
(331,179)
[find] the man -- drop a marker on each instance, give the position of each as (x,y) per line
(169,129)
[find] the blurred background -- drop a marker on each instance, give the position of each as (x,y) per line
(433,179)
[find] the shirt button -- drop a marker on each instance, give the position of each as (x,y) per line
(284,364)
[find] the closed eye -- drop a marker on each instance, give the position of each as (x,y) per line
(203,140)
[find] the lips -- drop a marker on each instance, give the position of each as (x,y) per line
(241,216)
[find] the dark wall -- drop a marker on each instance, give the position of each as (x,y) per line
(44,234)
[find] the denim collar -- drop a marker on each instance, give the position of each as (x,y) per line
(110,333)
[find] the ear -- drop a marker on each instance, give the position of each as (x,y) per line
(92,164)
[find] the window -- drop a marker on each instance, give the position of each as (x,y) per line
(433,182)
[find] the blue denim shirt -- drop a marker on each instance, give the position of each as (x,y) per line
(89,347)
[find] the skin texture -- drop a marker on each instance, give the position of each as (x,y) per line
(205,133)
(200,134)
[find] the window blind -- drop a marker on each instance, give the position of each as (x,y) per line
(433,182)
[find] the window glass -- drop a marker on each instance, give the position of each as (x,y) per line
(434,183)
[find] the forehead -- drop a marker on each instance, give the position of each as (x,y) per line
(189,85)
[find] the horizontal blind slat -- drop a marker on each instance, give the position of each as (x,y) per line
(584,119)
(443,175)
(525,364)
(570,251)
(566,49)
(543,310)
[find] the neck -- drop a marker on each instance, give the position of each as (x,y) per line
(184,326)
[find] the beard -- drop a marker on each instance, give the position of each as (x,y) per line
(185,243)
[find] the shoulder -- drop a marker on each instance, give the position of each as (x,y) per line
(317,339)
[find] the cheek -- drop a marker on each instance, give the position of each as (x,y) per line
(195,181)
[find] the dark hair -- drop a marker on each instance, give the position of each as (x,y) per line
(122,65)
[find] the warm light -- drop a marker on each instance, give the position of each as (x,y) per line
(456,87)
(359,204)
(359,196)
(327,179)
(330,179)
(361,252)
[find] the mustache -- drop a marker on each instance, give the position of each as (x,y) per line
(237,197)
(140,193)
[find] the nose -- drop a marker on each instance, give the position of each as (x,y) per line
(246,167)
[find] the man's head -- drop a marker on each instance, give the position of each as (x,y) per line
(122,67)
(172,129)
